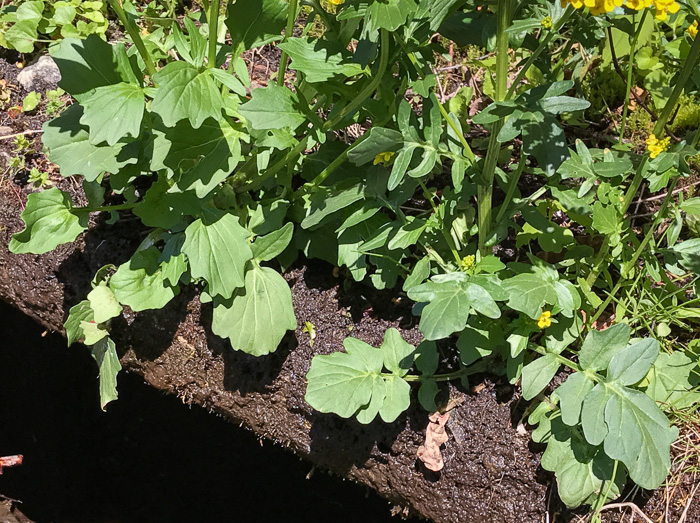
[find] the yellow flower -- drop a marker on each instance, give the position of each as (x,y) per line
(547,22)
(335,2)
(638,5)
(693,29)
(468,262)
(656,146)
(384,158)
(578,4)
(545,320)
(665,6)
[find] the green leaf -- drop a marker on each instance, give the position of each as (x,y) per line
(691,205)
(22,36)
(186,92)
(253,23)
(606,218)
(105,354)
(266,248)
(482,301)
(68,143)
(259,315)
(326,202)
(689,254)
(30,102)
(672,380)
(217,250)
(398,354)
(528,293)
(140,283)
(420,273)
(92,332)
(599,347)
(379,140)
(396,400)
(426,395)
(320,60)
(593,415)
(77,314)
(389,15)
(113,112)
(86,65)
(571,395)
(343,383)
(631,364)
(563,104)
(273,107)
(50,221)
(538,374)
(104,303)
(427,358)
(447,310)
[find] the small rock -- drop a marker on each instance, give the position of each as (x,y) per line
(4,130)
(41,75)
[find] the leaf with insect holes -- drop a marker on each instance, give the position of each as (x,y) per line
(50,221)
(259,315)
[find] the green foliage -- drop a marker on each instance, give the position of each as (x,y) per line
(511,262)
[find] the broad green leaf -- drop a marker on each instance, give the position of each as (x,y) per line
(217,250)
(538,374)
(186,92)
(325,202)
(198,43)
(22,36)
(606,218)
(426,394)
(397,353)
(113,112)
(528,293)
(105,354)
(631,364)
(77,314)
(30,102)
(563,104)
(599,347)
(259,315)
(420,273)
(343,383)
(571,395)
(689,254)
(253,23)
(379,140)
(427,358)
(206,156)
(319,60)
(266,248)
(396,400)
(638,435)
(50,221)
(545,140)
(68,144)
(92,332)
(672,380)
(482,301)
(140,284)
(104,303)
(389,15)
(691,205)
(447,310)
(85,65)
(408,234)
(593,415)
(400,166)
(273,107)
(368,412)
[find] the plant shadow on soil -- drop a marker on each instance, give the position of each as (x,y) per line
(148,458)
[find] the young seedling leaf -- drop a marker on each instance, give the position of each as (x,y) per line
(104,303)
(538,374)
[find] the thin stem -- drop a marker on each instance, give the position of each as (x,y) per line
(213,32)
(291,18)
(135,36)
(485,189)
(544,44)
(512,186)
(630,70)
(443,229)
(477,368)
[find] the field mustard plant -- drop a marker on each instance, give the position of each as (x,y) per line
(656,146)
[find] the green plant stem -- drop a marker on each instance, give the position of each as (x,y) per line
(443,229)
(485,188)
(468,153)
(291,18)
(512,186)
(562,59)
(213,32)
(135,36)
(544,44)
(477,368)
(630,70)
(688,68)
(241,177)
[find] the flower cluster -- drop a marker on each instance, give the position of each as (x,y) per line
(547,22)
(384,158)
(656,146)
(467,262)
(545,320)
(693,29)
(597,7)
